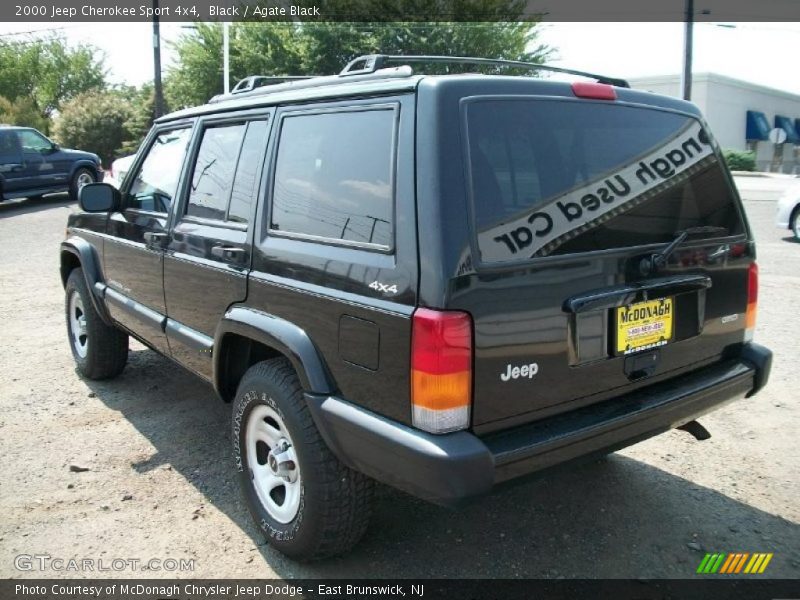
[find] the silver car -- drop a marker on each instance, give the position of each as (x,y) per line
(788,215)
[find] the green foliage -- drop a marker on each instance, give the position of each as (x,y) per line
(48,72)
(143,103)
(486,28)
(199,54)
(95,121)
(739,160)
(22,111)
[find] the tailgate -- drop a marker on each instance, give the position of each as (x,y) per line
(571,200)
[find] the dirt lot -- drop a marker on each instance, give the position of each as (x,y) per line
(160,485)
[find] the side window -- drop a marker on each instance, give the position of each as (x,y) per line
(213,171)
(9,147)
(33,141)
(245,185)
(157,180)
(334,176)
(224,176)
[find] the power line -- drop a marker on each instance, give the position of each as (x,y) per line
(46,30)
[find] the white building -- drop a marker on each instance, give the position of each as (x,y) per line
(741,115)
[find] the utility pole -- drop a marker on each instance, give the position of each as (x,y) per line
(159,92)
(686,77)
(226,53)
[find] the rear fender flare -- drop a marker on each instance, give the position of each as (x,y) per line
(281,335)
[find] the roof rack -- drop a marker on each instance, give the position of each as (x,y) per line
(369,63)
(256,81)
(291,82)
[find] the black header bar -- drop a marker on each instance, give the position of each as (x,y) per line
(395,10)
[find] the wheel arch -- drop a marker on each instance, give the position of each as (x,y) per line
(795,213)
(77,253)
(83,163)
(246,336)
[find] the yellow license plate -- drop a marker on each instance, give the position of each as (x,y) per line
(644,325)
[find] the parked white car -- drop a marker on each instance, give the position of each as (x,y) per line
(788,215)
(119,168)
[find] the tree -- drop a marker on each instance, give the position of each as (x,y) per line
(143,111)
(490,28)
(22,111)
(199,74)
(48,72)
(94,121)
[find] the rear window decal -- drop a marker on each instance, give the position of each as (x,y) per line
(545,227)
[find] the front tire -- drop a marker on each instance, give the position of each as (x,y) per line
(100,350)
(794,223)
(309,505)
(81,177)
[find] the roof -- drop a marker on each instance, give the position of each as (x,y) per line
(368,75)
(386,81)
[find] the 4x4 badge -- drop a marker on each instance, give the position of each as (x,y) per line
(384,287)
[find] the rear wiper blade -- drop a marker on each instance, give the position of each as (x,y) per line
(659,259)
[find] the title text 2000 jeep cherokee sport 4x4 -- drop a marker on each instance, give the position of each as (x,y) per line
(437,282)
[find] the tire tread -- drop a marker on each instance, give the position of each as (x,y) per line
(108,346)
(346,494)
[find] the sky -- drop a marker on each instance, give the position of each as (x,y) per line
(761,53)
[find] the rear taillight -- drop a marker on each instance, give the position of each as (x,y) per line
(752,301)
(441,370)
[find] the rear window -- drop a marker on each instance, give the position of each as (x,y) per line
(558,177)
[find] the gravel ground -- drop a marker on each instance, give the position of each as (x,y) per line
(159,484)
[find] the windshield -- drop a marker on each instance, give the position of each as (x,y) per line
(555,177)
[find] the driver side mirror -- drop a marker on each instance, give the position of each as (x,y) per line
(98,197)
(55,147)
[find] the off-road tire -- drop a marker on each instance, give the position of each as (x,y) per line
(106,347)
(79,178)
(335,501)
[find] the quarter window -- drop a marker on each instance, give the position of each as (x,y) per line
(214,170)
(245,184)
(225,176)
(157,180)
(334,176)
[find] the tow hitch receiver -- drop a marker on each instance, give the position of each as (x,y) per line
(699,432)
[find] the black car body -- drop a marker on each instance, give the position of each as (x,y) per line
(32,165)
(473,277)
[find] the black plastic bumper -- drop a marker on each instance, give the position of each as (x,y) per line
(447,469)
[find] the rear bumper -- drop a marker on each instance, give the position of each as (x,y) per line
(447,469)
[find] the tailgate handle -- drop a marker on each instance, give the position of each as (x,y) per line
(623,295)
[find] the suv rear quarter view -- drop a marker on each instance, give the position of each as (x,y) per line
(436,282)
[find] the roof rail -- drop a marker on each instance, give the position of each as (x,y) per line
(369,63)
(312,82)
(257,81)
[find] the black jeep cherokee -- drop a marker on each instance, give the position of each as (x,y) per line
(436,282)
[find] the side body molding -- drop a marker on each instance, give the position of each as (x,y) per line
(274,332)
(86,255)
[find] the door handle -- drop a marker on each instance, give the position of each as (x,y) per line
(227,252)
(155,238)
